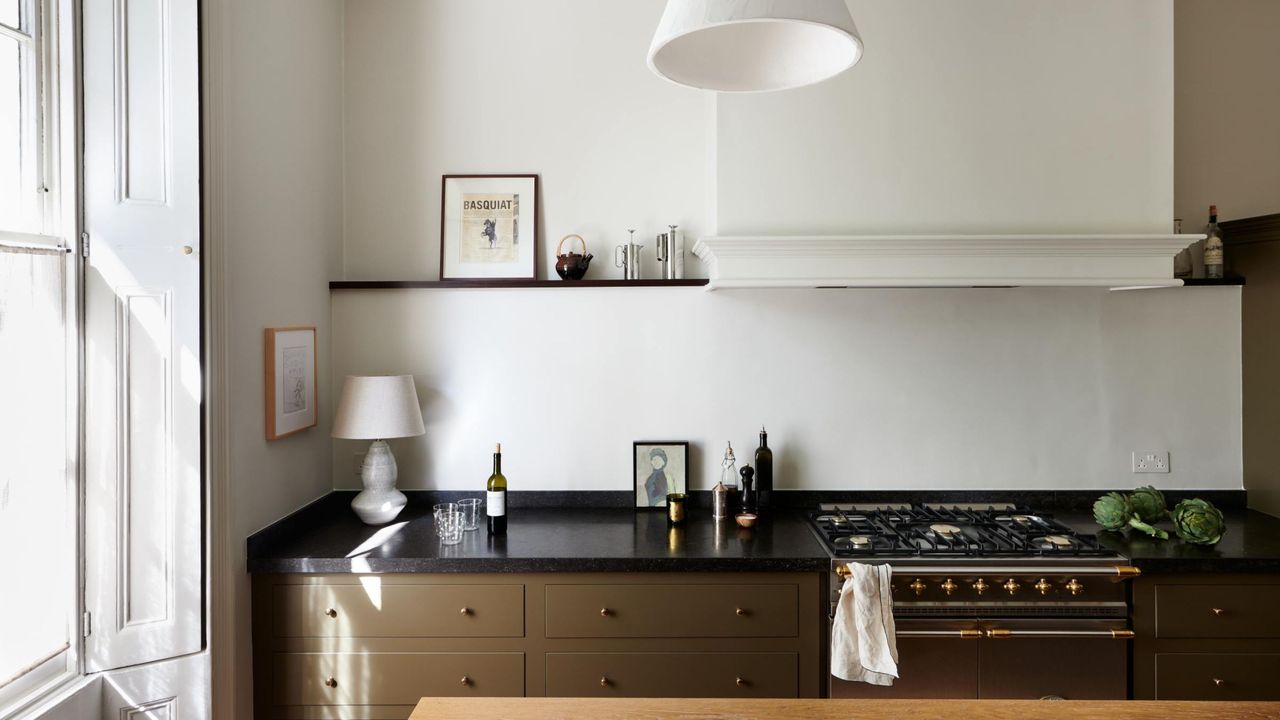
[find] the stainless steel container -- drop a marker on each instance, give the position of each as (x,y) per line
(627,257)
(720,501)
(670,252)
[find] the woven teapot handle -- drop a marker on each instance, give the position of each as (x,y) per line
(560,244)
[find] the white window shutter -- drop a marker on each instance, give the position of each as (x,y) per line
(144,555)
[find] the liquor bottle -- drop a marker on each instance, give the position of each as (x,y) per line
(495,503)
(764,472)
(1213,246)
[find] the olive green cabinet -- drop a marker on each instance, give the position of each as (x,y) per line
(369,646)
(1206,637)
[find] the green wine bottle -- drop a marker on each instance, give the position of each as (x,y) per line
(495,503)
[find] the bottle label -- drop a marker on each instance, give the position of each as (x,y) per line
(495,503)
(1213,254)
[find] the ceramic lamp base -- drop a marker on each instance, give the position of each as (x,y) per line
(380,502)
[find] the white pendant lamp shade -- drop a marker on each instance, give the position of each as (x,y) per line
(378,407)
(754,45)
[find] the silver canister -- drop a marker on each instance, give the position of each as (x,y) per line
(670,252)
(719,501)
(627,257)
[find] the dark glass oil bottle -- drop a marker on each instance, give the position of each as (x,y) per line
(764,472)
(495,503)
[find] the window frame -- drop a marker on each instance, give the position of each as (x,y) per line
(54,39)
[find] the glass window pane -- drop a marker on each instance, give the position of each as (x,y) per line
(36,506)
(19,203)
(9,13)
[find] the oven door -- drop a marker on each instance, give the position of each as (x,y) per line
(1073,659)
(936,659)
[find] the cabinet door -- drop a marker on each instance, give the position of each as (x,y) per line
(399,611)
(1070,668)
(703,611)
(1217,611)
(735,675)
(1217,676)
(394,678)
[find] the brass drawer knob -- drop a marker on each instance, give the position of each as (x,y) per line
(1218,611)
(331,613)
(1219,682)
(1043,586)
(740,682)
(604,681)
(465,680)
(1074,587)
(331,682)
(465,611)
(742,611)
(1012,586)
(605,612)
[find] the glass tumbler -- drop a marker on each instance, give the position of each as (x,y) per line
(449,524)
(470,509)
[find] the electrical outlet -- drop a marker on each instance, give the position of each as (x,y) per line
(1151,461)
(357,463)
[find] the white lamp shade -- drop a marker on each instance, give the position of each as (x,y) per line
(378,407)
(754,45)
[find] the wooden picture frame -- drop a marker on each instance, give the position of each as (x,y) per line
(290,361)
(505,212)
(674,456)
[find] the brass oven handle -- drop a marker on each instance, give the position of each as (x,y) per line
(1000,634)
(967,633)
(1122,572)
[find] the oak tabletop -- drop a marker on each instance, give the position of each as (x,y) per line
(811,709)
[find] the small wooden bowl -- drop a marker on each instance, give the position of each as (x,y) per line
(746,520)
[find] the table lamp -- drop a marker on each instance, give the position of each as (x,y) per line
(377,408)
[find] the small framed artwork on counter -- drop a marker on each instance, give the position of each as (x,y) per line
(659,468)
(291,393)
(489,227)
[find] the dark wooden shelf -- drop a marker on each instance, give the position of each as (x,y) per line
(1190,282)
(479,284)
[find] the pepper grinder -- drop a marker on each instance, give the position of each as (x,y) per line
(748,494)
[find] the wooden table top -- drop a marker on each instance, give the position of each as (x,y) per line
(719,709)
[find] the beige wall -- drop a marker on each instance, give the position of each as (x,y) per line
(280,225)
(1227,108)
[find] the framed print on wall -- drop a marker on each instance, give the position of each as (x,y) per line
(290,380)
(489,227)
(659,468)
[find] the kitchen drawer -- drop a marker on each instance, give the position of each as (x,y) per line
(399,611)
(685,611)
(393,678)
(1217,611)
(746,675)
(1217,676)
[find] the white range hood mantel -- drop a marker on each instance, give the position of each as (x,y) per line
(1112,261)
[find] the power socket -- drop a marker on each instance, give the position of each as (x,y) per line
(357,462)
(1151,461)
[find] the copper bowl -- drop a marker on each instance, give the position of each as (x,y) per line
(746,520)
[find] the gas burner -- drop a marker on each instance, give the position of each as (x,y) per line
(946,531)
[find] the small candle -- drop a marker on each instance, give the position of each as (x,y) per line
(675,508)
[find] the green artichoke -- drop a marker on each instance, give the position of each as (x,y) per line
(1148,504)
(1198,521)
(1114,511)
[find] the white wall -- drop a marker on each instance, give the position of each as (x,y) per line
(1228,108)
(861,389)
(1037,116)
(281,226)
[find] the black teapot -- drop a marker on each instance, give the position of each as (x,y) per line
(572,265)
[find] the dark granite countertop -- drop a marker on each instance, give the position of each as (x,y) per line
(1251,544)
(326,537)
(571,532)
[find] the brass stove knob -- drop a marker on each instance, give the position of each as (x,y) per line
(1043,586)
(918,586)
(1074,586)
(949,587)
(981,586)
(1012,586)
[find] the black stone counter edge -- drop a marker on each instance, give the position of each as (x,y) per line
(1206,566)
(534,565)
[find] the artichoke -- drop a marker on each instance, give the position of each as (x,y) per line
(1114,511)
(1148,504)
(1198,521)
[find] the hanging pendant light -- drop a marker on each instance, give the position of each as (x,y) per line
(754,45)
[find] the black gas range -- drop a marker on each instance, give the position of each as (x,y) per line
(1014,581)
